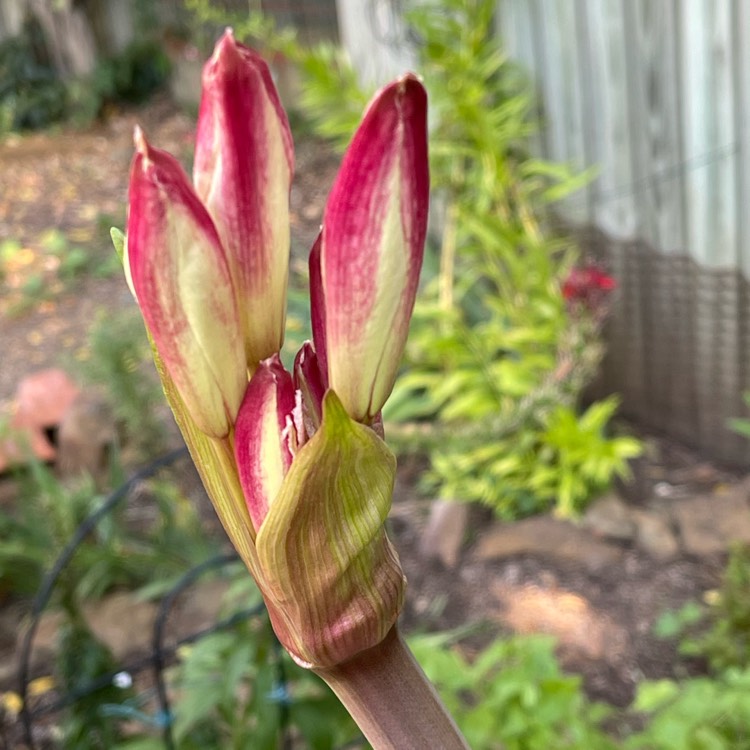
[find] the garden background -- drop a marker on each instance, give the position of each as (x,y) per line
(576,580)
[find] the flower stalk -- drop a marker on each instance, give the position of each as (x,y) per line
(294,461)
(394,704)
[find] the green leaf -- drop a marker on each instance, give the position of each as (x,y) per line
(654,695)
(118,240)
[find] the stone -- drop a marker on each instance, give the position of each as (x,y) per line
(85,436)
(444,533)
(577,626)
(124,624)
(200,608)
(121,622)
(546,536)
(41,400)
(655,537)
(708,524)
(610,518)
(43,397)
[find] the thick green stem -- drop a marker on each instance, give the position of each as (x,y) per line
(395,705)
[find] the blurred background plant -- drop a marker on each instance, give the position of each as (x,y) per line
(504,343)
(239,688)
(34,95)
(128,549)
(718,630)
(119,365)
(505,336)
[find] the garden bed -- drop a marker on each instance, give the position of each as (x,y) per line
(599,588)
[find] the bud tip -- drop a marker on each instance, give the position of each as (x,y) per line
(139,139)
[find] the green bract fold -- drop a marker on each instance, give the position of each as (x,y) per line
(327,562)
(214,460)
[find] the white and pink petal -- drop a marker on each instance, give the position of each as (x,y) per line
(265,436)
(180,277)
(244,161)
(371,249)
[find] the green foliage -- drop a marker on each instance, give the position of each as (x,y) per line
(493,351)
(727,642)
(230,692)
(698,714)
(577,458)
(513,695)
(120,364)
(31,94)
(117,553)
(721,633)
(675,623)
(741,425)
(82,660)
(130,77)
(231,697)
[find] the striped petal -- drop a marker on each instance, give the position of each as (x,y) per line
(372,246)
(262,436)
(180,277)
(243,167)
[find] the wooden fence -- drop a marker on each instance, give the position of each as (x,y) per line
(656,95)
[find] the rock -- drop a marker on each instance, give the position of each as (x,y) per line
(546,536)
(200,608)
(609,517)
(22,443)
(45,639)
(125,624)
(40,402)
(43,397)
(122,623)
(442,537)
(85,437)
(655,537)
(578,627)
(708,524)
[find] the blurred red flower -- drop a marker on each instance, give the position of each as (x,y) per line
(588,286)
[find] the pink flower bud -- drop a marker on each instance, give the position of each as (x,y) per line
(330,576)
(262,434)
(364,277)
(244,160)
(181,280)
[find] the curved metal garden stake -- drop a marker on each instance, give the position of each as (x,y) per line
(47,586)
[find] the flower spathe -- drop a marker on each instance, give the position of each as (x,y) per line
(321,542)
(294,461)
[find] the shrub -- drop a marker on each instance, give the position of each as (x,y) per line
(698,714)
(31,94)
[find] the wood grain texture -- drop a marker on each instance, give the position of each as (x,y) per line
(656,95)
